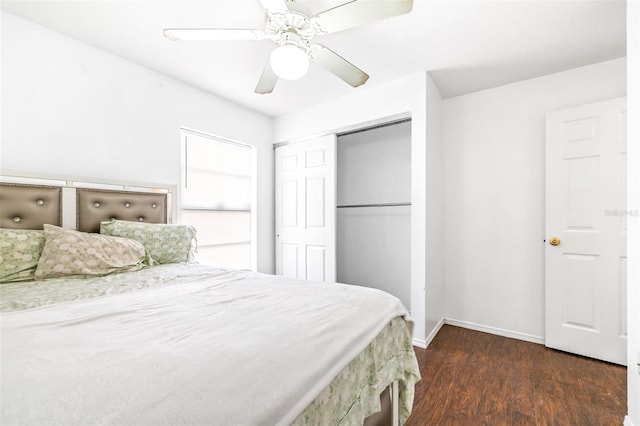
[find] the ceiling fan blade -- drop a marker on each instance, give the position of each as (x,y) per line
(267,81)
(275,6)
(359,12)
(338,65)
(193,34)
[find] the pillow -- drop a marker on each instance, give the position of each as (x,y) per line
(75,253)
(165,243)
(19,253)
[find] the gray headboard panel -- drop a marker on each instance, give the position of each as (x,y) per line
(98,205)
(29,206)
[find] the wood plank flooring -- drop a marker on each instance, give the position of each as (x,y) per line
(474,378)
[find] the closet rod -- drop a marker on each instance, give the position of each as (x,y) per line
(373,205)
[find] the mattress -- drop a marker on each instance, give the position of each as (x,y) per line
(193,344)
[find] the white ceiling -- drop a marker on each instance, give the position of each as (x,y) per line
(465,45)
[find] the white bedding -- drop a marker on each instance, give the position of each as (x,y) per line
(150,356)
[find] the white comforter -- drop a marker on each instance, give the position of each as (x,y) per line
(232,348)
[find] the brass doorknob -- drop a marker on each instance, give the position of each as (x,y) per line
(554,241)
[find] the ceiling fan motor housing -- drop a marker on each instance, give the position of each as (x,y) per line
(292,28)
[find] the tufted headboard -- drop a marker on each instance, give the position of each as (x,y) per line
(29,206)
(30,200)
(97,205)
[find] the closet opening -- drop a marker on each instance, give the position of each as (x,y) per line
(373,216)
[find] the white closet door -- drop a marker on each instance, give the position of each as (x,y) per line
(586,214)
(305,209)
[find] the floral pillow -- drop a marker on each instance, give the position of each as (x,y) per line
(165,243)
(74,253)
(19,253)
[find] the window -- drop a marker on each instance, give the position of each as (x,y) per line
(216,197)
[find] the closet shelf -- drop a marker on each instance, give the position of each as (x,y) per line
(351,206)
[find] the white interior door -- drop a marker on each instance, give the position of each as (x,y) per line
(306,209)
(585,278)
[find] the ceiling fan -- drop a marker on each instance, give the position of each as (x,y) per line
(292,28)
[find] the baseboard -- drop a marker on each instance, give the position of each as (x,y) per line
(419,343)
(628,421)
(494,330)
(424,343)
(434,331)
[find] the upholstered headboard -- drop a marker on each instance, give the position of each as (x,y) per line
(97,205)
(29,206)
(30,200)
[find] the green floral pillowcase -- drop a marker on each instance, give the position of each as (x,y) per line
(19,254)
(74,253)
(26,255)
(165,243)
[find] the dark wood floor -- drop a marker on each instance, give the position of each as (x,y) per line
(474,378)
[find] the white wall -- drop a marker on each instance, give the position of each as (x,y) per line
(633,203)
(71,109)
(435,216)
(494,195)
(418,97)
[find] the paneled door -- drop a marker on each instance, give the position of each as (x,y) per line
(585,273)
(306,209)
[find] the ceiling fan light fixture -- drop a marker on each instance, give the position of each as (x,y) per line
(289,62)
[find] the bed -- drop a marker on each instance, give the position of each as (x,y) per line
(177,342)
